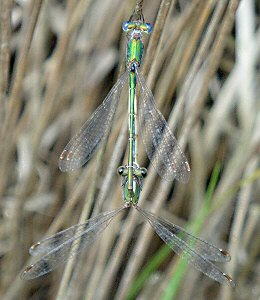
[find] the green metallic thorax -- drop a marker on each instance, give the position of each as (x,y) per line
(134,51)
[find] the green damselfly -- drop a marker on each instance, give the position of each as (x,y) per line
(165,155)
(160,144)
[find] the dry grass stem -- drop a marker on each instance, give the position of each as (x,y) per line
(58,61)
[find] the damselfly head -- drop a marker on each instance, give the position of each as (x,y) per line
(137,26)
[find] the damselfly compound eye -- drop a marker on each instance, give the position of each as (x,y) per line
(120,170)
(146,27)
(149,27)
(144,172)
(125,26)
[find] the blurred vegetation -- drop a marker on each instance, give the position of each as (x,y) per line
(58,60)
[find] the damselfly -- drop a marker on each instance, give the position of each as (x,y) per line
(165,155)
(160,144)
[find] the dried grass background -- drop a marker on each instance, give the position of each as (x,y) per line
(58,60)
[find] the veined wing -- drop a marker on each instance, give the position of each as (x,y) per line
(160,144)
(82,146)
(65,244)
(198,252)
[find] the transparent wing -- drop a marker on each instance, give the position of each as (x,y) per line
(160,144)
(199,253)
(65,244)
(82,146)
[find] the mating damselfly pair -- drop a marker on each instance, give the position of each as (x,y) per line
(164,153)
